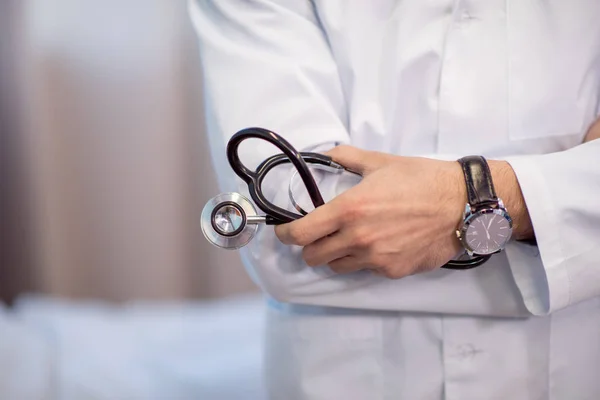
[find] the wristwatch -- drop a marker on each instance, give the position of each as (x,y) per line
(486,227)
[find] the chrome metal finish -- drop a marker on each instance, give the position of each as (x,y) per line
(293,200)
(335,165)
(470,216)
(467,210)
(228,219)
(221,220)
(256,220)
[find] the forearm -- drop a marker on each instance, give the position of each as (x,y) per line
(285,276)
(254,78)
(310,109)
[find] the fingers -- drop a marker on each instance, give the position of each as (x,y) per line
(327,219)
(353,158)
(319,223)
(593,133)
(349,264)
(325,250)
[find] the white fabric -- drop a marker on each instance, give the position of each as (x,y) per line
(28,360)
(53,349)
(508,79)
(567,225)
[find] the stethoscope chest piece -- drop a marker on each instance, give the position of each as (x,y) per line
(225,221)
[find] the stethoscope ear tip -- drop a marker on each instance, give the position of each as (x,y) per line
(224,221)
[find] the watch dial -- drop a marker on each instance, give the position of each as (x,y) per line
(488,233)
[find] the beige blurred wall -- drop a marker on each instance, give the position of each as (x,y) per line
(113,146)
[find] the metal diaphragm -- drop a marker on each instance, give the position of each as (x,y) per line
(224,221)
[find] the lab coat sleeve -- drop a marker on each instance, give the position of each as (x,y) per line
(267,63)
(562,193)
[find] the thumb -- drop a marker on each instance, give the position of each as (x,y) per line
(354,159)
(594,132)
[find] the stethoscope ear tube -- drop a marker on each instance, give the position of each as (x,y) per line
(254,178)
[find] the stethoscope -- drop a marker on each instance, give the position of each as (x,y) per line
(230,220)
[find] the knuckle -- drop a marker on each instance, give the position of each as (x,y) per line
(344,265)
(354,213)
(354,210)
(309,257)
(311,262)
(361,240)
(280,233)
(364,239)
(298,235)
(390,273)
(336,267)
(396,271)
(378,262)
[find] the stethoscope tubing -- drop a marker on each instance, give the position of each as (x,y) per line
(275,215)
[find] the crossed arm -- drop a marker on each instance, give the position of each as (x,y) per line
(401,219)
(398,227)
(300,82)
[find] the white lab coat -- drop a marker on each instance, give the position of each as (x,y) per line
(509,79)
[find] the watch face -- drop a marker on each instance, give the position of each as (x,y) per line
(487,231)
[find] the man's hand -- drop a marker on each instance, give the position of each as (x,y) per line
(594,132)
(401,219)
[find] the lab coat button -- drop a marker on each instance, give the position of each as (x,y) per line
(466,16)
(467,351)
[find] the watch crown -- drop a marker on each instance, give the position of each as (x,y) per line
(458,234)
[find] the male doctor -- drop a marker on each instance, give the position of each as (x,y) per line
(416,92)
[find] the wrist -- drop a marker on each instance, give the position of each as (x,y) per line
(457,199)
(456,189)
(486,226)
(508,189)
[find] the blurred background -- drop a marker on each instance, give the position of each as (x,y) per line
(104,164)
(108,288)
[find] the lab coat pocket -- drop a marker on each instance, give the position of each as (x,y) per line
(553,67)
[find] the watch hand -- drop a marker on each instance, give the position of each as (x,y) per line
(490,224)
(486,230)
